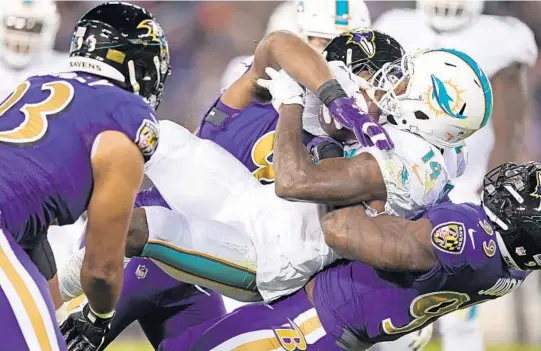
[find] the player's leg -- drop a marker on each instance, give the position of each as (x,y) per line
(142,284)
(290,323)
(461,331)
(179,308)
(27,314)
(201,251)
(195,176)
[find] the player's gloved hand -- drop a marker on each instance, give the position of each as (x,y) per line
(366,129)
(84,330)
(283,88)
(422,337)
(321,148)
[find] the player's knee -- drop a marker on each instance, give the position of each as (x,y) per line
(137,233)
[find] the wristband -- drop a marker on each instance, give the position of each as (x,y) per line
(330,91)
(108,315)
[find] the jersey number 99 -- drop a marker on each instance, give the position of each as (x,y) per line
(35,123)
(425,308)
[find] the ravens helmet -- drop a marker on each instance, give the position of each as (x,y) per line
(512,201)
(124,44)
(364,49)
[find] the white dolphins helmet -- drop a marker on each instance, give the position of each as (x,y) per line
(284,17)
(27,28)
(447,97)
(450,15)
(319,18)
(329,18)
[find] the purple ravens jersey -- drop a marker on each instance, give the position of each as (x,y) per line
(247,134)
(48,127)
(359,304)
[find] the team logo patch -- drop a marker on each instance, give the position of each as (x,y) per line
(489,248)
(141,271)
(147,137)
(449,237)
(486,227)
(365,39)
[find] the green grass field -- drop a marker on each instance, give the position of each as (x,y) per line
(145,346)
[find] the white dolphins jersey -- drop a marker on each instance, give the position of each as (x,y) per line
(495,42)
(416,173)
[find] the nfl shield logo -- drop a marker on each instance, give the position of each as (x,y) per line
(141,271)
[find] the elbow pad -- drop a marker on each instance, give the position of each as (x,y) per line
(43,257)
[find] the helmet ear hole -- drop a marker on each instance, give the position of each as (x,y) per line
(421,115)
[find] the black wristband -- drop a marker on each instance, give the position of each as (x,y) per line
(330,91)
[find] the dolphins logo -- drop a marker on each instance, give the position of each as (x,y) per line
(442,97)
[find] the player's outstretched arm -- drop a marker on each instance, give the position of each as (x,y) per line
(387,242)
(335,181)
(279,50)
(117,166)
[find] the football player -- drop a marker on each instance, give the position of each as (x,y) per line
(255,212)
(316,21)
(460,25)
(69,141)
(27,33)
(411,273)
(233,136)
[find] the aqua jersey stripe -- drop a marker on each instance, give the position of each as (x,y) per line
(485,83)
(201,266)
(342,12)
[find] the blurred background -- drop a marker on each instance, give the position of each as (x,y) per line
(204,36)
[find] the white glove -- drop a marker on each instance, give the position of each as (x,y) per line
(283,88)
(422,337)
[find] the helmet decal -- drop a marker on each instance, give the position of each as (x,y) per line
(365,39)
(445,101)
(482,80)
(342,14)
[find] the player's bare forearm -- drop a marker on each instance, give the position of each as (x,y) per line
(509,114)
(387,242)
(335,181)
(279,50)
(118,172)
(289,52)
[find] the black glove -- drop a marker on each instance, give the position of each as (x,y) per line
(84,330)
